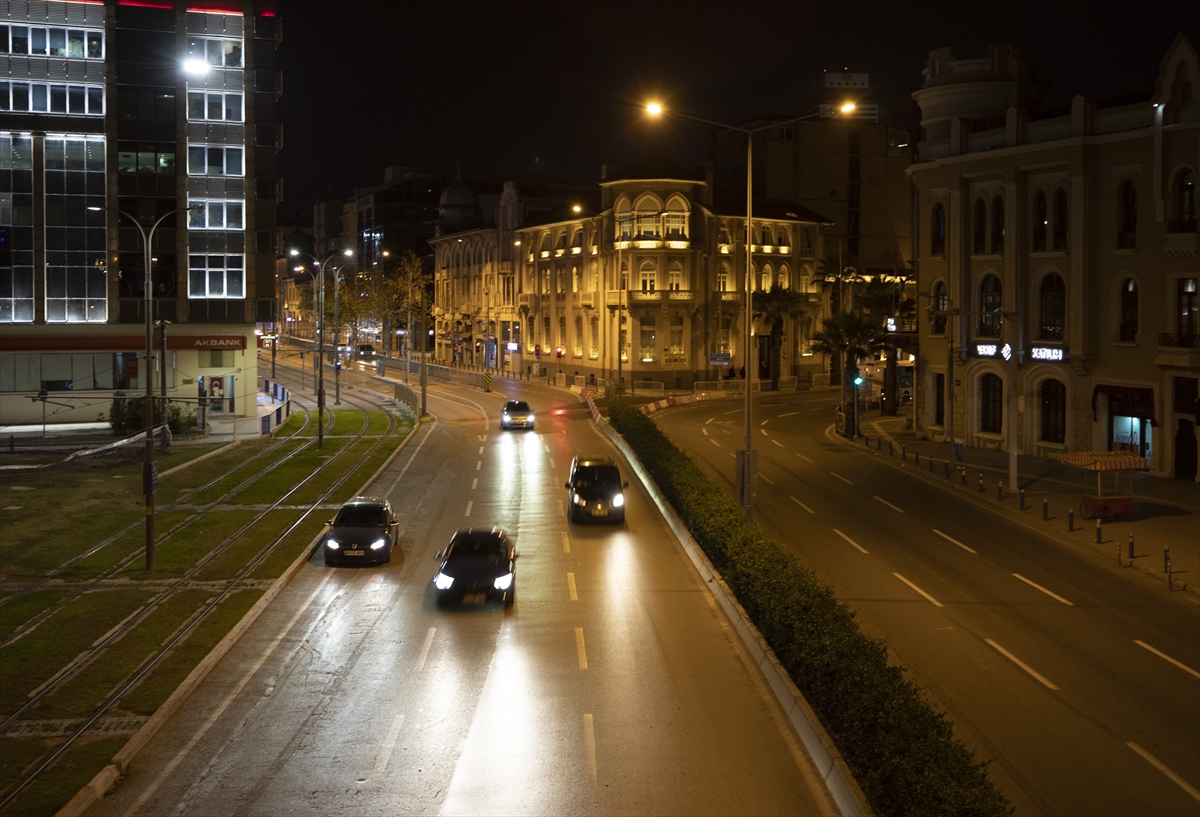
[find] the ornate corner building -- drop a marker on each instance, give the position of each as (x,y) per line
(118,116)
(1058,262)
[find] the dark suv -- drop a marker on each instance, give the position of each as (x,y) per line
(364,531)
(595,490)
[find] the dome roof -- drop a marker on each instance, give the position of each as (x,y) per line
(458,194)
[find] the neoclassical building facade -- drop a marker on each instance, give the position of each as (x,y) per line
(647,287)
(1058,262)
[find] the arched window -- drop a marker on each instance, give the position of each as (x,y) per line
(990,292)
(766,235)
(574,279)
(578,240)
(1127,201)
(1054,411)
(578,339)
(998,225)
(1060,220)
(979,228)
(562,330)
(785,277)
(726,333)
(782,238)
(1052,301)
(1129,310)
(594,337)
(648,221)
(593,276)
(1185,202)
(675,276)
(1040,221)
(765,280)
(937,230)
(647,275)
(941,305)
(991,404)
(723,278)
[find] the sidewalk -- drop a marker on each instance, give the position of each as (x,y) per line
(1166,511)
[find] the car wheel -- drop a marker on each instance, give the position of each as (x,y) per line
(621,518)
(510,596)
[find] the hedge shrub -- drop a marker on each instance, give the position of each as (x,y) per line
(902,751)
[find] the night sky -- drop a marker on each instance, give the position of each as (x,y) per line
(495,87)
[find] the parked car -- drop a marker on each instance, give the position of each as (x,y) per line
(478,565)
(363,532)
(595,490)
(516,413)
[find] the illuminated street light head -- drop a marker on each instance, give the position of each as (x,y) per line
(654,109)
(576,209)
(295,252)
(195,66)
(848,107)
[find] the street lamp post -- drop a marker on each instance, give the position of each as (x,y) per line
(319,280)
(337,329)
(150,467)
(162,371)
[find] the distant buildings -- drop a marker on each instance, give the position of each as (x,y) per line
(1058,262)
(100,116)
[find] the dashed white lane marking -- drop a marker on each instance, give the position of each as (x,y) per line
(801,504)
(764,422)
(789,414)
(777,443)
(386,751)
(890,505)
(1162,767)
(764,431)
(474,483)
(1041,678)
(560,506)
(566,540)
(479,465)
(928,597)
(470,502)
(481,449)
(1044,590)
(851,541)
(546,447)
(709,420)
(589,737)
(735,411)
(705,430)
(952,539)
(571,587)
(842,478)
(425,648)
(579,648)
(806,459)
(767,479)
(552,465)
(1166,657)
(714,442)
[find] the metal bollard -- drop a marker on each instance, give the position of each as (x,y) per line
(890,449)
(1131,546)
(879,443)
(1071,521)
(964,476)
(1169,576)
(947,465)
(1100,534)
(917,460)
(981,483)
(931,465)
(1022,499)
(999,489)
(1045,510)
(904,453)
(867,440)
(1166,558)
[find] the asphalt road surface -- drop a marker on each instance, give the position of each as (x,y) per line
(612,686)
(1076,679)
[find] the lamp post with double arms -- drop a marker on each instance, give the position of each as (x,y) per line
(337,331)
(318,277)
(150,469)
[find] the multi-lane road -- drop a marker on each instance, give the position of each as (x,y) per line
(1077,680)
(612,686)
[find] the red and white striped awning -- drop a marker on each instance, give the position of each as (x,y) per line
(1105,460)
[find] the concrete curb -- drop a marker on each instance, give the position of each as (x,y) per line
(984,500)
(835,774)
(108,777)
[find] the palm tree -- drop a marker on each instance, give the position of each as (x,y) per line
(775,307)
(880,301)
(855,336)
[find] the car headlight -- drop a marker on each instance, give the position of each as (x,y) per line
(619,500)
(332,544)
(529,418)
(442,582)
(578,500)
(504,415)
(378,544)
(504,582)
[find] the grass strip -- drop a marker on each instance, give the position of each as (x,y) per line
(54,788)
(131,542)
(228,475)
(28,662)
(366,468)
(286,552)
(289,474)
(19,611)
(347,422)
(312,490)
(901,750)
(161,681)
(239,553)
(380,422)
(179,552)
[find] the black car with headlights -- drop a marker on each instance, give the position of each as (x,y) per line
(595,490)
(363,532)
(477,566)
(516,414)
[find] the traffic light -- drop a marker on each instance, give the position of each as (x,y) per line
(558,351)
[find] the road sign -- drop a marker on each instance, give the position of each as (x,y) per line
(720,360)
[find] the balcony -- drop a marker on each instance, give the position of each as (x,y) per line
(1178,351)
(614,298)
(681,295)
(651,297)
(1178,341)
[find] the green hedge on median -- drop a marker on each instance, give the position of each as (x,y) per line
(902,751)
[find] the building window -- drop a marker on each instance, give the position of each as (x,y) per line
(1041,222)
(937,228)
(1129,310)
(1185,202)
(647,351)
(647,275)
(216,276)
(990,292)
(676,342)
(991,404)
(578,339)
(204,160)
(216,52)
(1185,307)
(68,43)
(1060,220)
(979,228)
(16,225)
(146,161)
(676,225)
(998,226)
(675,276)
(574,279)
(210,106)
(76,272)
(765,279)
(726,331)
(593,277)
(939,399)
(217,215)
(594,337)
(723,279)
(785,278)
(647,226)
(1054,411)
(41,97)
(1053,307)
(562,330)
(941,306)
(1127,201)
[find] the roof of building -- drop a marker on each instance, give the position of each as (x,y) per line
(767,208)
(653,166)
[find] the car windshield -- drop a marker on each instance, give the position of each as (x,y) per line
(361,516)
(599,476)
(477,551)
(517,406)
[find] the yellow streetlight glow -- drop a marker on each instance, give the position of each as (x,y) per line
(654,109)
(848,107)
(577,209)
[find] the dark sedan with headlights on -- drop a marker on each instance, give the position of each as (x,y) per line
(477,566)
(363,532)
(516,414)
(595,490)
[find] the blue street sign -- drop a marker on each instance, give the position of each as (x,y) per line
(720,360)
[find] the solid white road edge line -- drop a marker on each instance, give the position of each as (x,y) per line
(1166,657)
(1156,763)
(890,505)
(1041,678)
(928,597)
(425,648)
(801,504)
(386,751)
(1044,590)
(952,539)
(851,541)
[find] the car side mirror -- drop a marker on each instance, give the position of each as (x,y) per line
(328,521)
(394,523)
(567,485)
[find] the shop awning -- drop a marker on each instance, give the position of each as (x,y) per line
(1104,460)
(1141,401)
